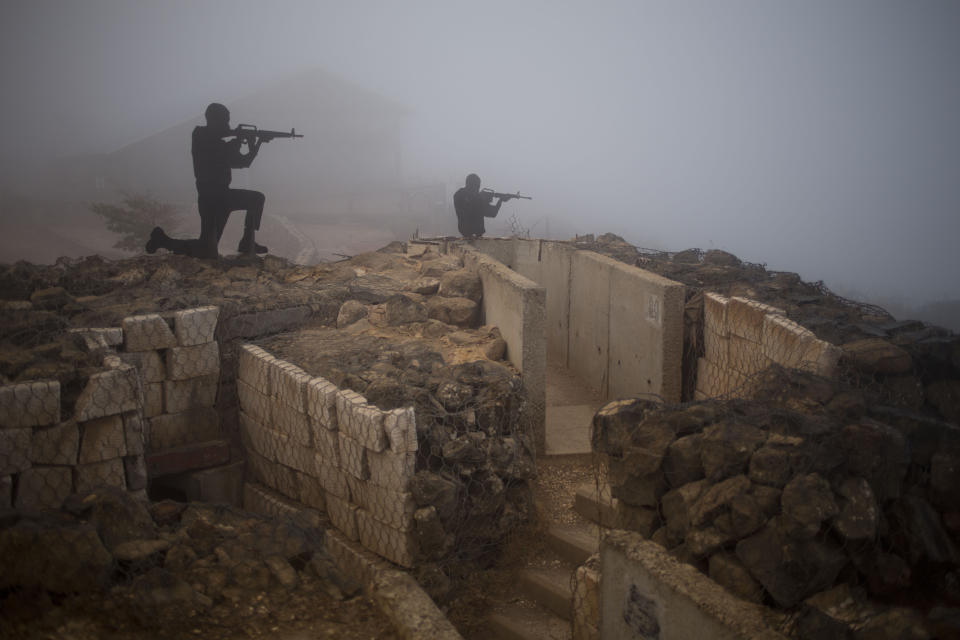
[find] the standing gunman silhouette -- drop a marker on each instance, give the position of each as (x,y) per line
(472,207)
(213,160)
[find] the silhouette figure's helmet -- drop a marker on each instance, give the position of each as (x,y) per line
(217,113)
(473,181)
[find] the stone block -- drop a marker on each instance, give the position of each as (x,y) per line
(256,437)
(6,492)
(149,364)
(716,347)
(260,499)
(322,403)
(102,439)
(346,400)
(135,471)
(332,479)
(327,444)
(400,427)
(108,393)
(152,399)
(146,333)
(711,380)
(343,515)
(180,395)
(192,362)
(195,326)
(353,457)
(133,432)
(295,455)
(715,314)
(292,386)
(745,317)
(253,367)
(187,427)
(395,545)
(29,404)
(388,469)
(259,468)
(106,336)
(59,444)
(44,487)
(292,423)
(109,473)
(254,403)
(367,423)
(746,356)
(388,505)
(311,492)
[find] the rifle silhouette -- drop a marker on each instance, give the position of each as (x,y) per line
(250,132)
(490,194)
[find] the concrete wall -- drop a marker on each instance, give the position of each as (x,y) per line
(619,328)
(516,305)
(326,448)
(646,593)
(742,337)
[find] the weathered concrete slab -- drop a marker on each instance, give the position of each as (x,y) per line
(14,450)
(109,473)
(193,456)
(146,333)
(108,393)
(195,326)
(102,439)
(29,404)
(192,362)
(58,444)
(44,487)
(180,395)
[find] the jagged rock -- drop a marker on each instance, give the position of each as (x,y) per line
(425,286)
(282,571)
(859,513)
(925,535)
(682,465)
(895,624)
(643,520)
(704,541)
(615,422)
(640,491)
(160,588)
(875,355)
(808,501)
(677,505)
(56,556)
(461,283)
(166,512)
(453,395)
(727,571)
(945,396)
(877,452)
(179,558)
(117,515)
(487,492)
(251,573)
(772,464)
(134,551)
(461,312)
(436,267)
(716,499)
(351,311)
(401,309)
(372,288)
(720,258)
(727,447)
(431,489)
(789,570)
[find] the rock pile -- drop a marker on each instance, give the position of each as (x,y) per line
(169,565)
(783,499)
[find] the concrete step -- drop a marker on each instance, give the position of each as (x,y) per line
(522,623)
(574,542)
(594,503)
(550,588)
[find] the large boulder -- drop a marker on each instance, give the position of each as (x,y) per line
(351,311)
(401,309)
(615,423)
(117,515)
(461,312)
(876,355)
(807,501)
(462,283)
(727,448)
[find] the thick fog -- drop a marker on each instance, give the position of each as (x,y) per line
(815,136)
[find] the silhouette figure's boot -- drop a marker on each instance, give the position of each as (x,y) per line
(248,245)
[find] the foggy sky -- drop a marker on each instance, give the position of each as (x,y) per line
(816,136)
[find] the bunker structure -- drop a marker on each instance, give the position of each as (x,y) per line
(186,404)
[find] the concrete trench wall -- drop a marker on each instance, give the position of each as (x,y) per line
(646,593)
(743,337)
(516,305)
(617,327)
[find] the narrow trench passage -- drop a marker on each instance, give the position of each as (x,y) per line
(570,408)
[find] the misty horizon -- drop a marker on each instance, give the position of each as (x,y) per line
(814,137)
